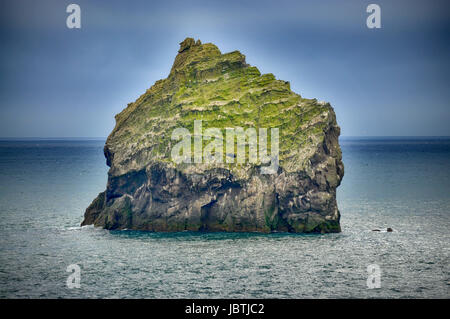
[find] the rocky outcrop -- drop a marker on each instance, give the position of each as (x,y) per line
(148,190)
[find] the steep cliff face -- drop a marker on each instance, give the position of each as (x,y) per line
(148,190)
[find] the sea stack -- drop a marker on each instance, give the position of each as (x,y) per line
(148,190)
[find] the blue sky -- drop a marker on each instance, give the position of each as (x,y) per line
(60,82)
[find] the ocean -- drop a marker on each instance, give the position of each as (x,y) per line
(402,183)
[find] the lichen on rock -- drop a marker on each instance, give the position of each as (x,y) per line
(146,190)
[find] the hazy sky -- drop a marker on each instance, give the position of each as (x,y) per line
(60,82)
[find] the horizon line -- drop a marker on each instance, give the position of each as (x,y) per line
(105,137)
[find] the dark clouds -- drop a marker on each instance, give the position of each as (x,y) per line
(60,82)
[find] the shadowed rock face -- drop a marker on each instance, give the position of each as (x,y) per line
(148,191)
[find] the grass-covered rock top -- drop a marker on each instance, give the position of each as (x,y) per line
(223,91)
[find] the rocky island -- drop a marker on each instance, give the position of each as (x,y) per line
(148,190)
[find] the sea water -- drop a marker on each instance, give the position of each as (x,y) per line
(402,183)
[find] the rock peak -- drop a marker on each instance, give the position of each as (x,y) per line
(187,43)
(192,51)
